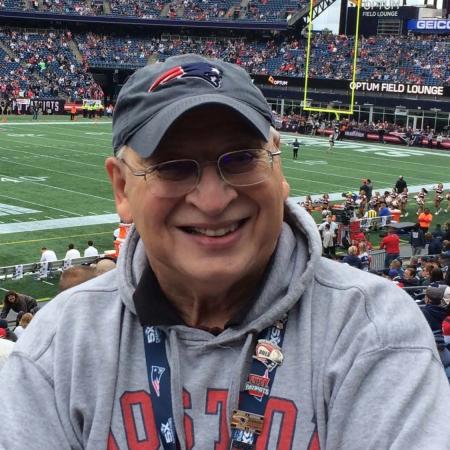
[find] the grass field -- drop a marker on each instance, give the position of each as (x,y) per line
(54,189)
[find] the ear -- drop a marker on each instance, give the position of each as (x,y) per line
(276,140)
(118,182)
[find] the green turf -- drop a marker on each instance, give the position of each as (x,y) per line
(70,181)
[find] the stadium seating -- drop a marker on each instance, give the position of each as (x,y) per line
(419,60)
(42,64)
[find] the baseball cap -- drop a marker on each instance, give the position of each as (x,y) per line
(155,96)
(439,292)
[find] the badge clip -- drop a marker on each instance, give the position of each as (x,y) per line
(247,422)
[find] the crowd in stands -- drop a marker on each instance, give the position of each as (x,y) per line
(198,10)
(41,64)
(406,59)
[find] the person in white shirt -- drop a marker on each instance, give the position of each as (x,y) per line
(6,347)
(72,253)
(48,255)
(90,250)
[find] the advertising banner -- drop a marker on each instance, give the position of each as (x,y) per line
(26,105)
(429,26)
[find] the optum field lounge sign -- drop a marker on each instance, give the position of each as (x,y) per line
(398,88)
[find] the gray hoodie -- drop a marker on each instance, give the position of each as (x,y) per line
(360,369)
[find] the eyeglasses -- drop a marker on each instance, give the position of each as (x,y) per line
(175,178)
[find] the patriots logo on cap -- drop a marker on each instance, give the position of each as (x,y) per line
(202,70)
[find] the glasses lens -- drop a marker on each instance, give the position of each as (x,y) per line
(174,178)
(244,167)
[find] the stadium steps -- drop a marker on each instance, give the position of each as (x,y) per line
(106,7)
(75,50)
(7,50)
(165,10)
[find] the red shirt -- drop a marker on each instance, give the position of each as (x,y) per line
(391,243)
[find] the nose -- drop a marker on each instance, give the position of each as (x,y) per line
(212,194)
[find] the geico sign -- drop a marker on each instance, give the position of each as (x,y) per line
(433,25)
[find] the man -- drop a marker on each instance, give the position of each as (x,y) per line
(90,250)
(295,147)
(391,243)
(417,240)
(19,303)
(48,255)
(72,252)
(194,346)
(400,185)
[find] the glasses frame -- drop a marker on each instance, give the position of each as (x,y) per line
(150,169)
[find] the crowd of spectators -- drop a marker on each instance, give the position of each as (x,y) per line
(41,64)
(198,10)
(408,59)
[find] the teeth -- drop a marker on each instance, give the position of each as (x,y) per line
(216,233)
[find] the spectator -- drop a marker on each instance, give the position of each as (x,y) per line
(73,276)
(23,323)
(364,256)
(352,258)
(391,243)
(72,252)
(90,250)
(438,232)
(18,303)
(417,240)
(104,265)
(434,244)
(48,255)
(328,238)
(437,300)
(10,335)
(6,347)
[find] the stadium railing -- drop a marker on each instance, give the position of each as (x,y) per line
(41,270)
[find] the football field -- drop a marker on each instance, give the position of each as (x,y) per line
(54,189)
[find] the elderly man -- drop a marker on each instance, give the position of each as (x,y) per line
(222,327)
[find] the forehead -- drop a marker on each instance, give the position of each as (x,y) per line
(208,131)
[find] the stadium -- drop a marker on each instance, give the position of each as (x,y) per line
(359,92)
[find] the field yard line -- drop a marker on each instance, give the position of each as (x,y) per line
(52,138)
(46,282)
(54,238)
(4,158)
(19,140)
(54,224)
(362,144)
(51,157)
(334,164)
(99,138)
(67,190)
(38,204)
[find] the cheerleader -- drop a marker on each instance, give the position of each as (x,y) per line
(447,197)
(374,202)
(308,203)
(438,197)
(325,201)
(420,199)
(403,202)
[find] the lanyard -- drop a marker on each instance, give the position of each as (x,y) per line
(247,421)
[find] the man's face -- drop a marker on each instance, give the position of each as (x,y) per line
(177,232)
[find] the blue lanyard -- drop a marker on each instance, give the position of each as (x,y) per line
(158,370)
(247,421)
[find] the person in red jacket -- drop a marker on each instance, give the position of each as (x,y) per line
(391,243)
